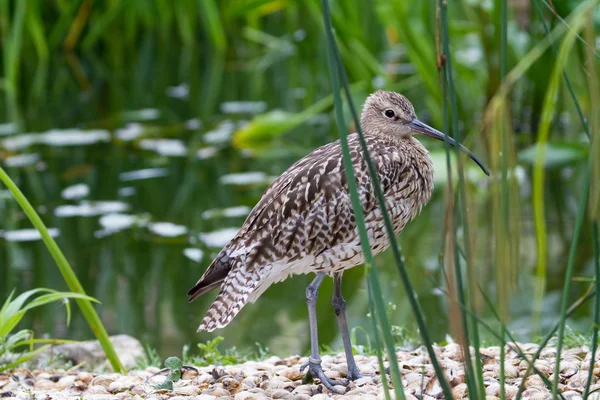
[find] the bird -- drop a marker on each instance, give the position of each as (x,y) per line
(304,221)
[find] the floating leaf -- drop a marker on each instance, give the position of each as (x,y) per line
(556,154)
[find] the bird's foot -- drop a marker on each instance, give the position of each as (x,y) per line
(353,375)
(316,371)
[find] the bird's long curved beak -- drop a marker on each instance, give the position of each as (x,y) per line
(420,127)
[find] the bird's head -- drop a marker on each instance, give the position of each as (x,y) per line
(390,113)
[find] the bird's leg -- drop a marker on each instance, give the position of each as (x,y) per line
(314,361)
(339,306)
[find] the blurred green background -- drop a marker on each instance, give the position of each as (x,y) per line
(144,131)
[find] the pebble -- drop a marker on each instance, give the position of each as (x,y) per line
(276,378)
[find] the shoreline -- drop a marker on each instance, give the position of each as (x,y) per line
(280,378)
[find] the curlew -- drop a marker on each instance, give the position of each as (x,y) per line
(304,221)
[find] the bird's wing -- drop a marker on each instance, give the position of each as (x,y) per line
(307,210)
(269,214)
(304,212)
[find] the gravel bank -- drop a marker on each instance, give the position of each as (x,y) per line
(276,378)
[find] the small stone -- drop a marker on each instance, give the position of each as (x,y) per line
(572,395)
(278,383)
(333,374)
(122,385)
(304,389)
(139,390)
(342,369)
(231,385)
(96,389)
(44,384)
(363,381)
(280,394)
(65,382)
(460,391)
(186,390)
(510,391)
(85,377)
(99,397)
(493,389)
(534,381)
(366,369)
(220,391)
(510,371)
(205,397)
(205,378)
(104,380)
(189,373)
(320,396)
(291,373)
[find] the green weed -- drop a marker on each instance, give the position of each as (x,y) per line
(19,347)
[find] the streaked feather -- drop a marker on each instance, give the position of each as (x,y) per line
(304,221)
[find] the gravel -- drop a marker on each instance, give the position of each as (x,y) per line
(277,378)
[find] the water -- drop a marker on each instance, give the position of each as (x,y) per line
(141,184)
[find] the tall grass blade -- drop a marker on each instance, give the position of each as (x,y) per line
(500,98)
(69,276)
(570,88)
(374,289)
(474,372)
(378,347)
(505,232)
(514,345)
(596,325)
(567,26)
(209,14)
(594,201)
(566,45)
(399,260)
(12,43)
(594,121)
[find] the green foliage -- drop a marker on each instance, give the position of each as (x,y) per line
(84,302)
(152,359)
(17,348)
(211,355)
(174,366)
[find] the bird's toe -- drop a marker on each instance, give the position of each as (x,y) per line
(316,371)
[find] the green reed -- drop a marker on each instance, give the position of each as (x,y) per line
(69,276)
(374,289)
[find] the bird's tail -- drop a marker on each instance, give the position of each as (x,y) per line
(223,310)
(235,293)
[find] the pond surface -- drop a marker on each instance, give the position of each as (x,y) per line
(140,178)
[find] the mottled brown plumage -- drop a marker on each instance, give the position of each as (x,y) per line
(304,222)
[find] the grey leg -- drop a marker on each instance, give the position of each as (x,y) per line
(314,361)
(339,306)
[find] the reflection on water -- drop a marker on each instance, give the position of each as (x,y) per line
(143,174)
(218,238)
(90,208)
(74,192)
(167,229)
(54,137)
(239,211)
(26,235)
(245,178)
(193,254)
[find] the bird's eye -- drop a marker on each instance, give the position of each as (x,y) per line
(390,113)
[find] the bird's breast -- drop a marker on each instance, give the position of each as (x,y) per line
(405,174)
